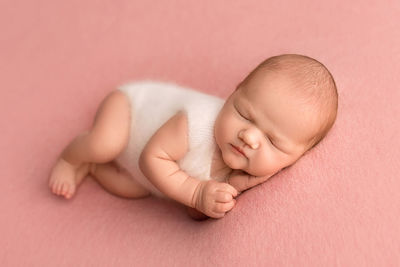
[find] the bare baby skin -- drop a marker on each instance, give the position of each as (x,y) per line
(261,129)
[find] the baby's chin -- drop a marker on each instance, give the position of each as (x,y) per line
(259,174)
(230,163)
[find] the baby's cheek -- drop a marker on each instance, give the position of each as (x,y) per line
(265,166)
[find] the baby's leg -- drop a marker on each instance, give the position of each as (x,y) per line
(103,143)
(117,181)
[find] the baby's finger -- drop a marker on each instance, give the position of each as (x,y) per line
(230,189)
(217,215)
(223,197)
(224,207)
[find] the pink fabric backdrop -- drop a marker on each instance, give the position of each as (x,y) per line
(339,206)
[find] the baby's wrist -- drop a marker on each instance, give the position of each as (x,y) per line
(197,196)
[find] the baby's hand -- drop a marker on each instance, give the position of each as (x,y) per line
(242,181)
(214,199)
(239,180)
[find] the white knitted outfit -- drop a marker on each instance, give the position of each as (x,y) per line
(154,103)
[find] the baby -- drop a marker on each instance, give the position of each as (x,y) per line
(160,139)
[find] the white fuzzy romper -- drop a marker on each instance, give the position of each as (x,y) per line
(154,103)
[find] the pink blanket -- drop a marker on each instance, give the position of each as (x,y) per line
(338,206)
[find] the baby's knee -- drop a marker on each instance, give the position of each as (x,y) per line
(105,147)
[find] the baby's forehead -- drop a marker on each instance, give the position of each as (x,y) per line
(282,107)
(262,95)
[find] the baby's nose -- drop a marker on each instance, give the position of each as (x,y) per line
(249,138)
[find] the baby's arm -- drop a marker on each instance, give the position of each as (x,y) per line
(158,162)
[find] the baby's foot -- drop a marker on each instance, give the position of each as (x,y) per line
(65,177)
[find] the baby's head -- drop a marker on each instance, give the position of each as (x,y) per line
(282,109)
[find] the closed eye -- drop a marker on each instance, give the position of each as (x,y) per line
(241,115)
(272,142)
(266,137)
(274,145)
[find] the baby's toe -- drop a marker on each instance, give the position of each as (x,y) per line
(54,187)
(67,190)
(68,195)
(70,191)
(59,187)
(64,188)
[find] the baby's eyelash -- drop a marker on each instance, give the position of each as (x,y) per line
(241,114)
(271,141)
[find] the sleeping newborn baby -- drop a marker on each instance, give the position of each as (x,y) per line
(153,138)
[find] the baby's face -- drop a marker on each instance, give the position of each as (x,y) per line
(263,121)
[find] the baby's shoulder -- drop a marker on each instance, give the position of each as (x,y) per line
(170,138)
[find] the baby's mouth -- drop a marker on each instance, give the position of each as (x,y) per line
(237,149)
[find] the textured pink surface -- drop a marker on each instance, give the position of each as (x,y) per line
(339,206)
